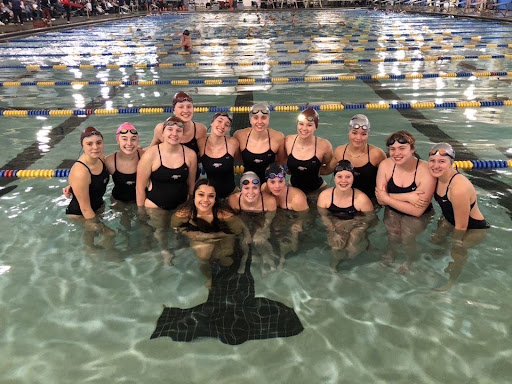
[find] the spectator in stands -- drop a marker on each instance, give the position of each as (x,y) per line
(17,7)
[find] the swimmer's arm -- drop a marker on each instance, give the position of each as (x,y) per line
(327,158)
(233,222)
(281,153)
(79,180)
(461,207)
(179,218)
(143,173)
(191,160)
(265,229)
(324,216)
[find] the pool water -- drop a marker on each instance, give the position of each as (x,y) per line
(69,315)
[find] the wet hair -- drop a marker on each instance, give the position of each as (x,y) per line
(401,136)
(88,132)
(189,208)
(186,32)
(180,97)
(309,114)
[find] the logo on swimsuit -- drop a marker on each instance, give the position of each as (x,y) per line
(130,182)
(257,161)
(176,177)
(301,168)
(105,181)
(217,165)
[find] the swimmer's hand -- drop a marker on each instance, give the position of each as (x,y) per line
(335,240)
(381,195)
(67,192)
(418,200)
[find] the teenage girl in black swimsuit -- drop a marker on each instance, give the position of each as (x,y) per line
(260,146)
(308,156)
(218,155)
(405,185)
(462,219)
(338,207)
(364,157)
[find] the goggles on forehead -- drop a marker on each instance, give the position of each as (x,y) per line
(247,182)
(364,127)
(125,131)
(181,99)
(344,167)
(263,110)
(308,118)
(170,121)
(400,140)
(279,175)
(223,114)
(442,152)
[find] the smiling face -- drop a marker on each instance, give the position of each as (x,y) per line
(128,143)
(250,192)
(93,146)
(276,185)
(305,128)
(184,110)
(220,126)
(204,199)
(400,153)
(439,165)
(358,137)
(344,180)
(259,121)
(173,134)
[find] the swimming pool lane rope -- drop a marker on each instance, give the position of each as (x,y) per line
(265,80)
(242,109)
(281,42)
(239,169)
(38,67)
(270,51)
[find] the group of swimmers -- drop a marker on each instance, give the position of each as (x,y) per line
(165,177)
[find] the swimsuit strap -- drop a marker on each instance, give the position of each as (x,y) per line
(368,147)
(240,201)
(449,182)
(345,150)
(286,199)
(247,141)
(269,143)
(332,197)
(115,161)
(293,145)
(392,173)
(183,149)
(206,144)
(353,196)
(262,203)
(226,142)
(138,154)
(194,129)
(159,154)
(81,162)
(316,139)
(416,170)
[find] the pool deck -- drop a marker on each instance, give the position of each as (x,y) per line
(29,27)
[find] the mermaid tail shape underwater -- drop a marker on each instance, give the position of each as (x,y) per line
(232,313)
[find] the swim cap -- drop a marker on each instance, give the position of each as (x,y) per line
(359,121)
(180,97)
(125,128)
(309,114)
(88,132)
(186,32)
(343,165)
(259,108)
(444,149)
(248,177)
(225,114)
(275,170)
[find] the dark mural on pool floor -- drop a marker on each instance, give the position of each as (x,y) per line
(232,313)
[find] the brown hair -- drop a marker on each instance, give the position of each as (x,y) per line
(401,135)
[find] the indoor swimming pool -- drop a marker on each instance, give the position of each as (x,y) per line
(70,315)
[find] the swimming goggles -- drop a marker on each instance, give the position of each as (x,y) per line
(263,110)
(357,126)
(223,114)
(279,175)
(171,121)
(254,181)
(400,140)
(442,152)
(181,99)
(344,165)
(308,118)
(91,133)
(125,131)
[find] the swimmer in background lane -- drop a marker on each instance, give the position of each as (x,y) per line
(218,155)
(88,180)
(260,146)
(288,199)
(208,225)
(364,157)
(186,41)
(259,209)
(462,218)
(347,213)
(405,186)
(308,155)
